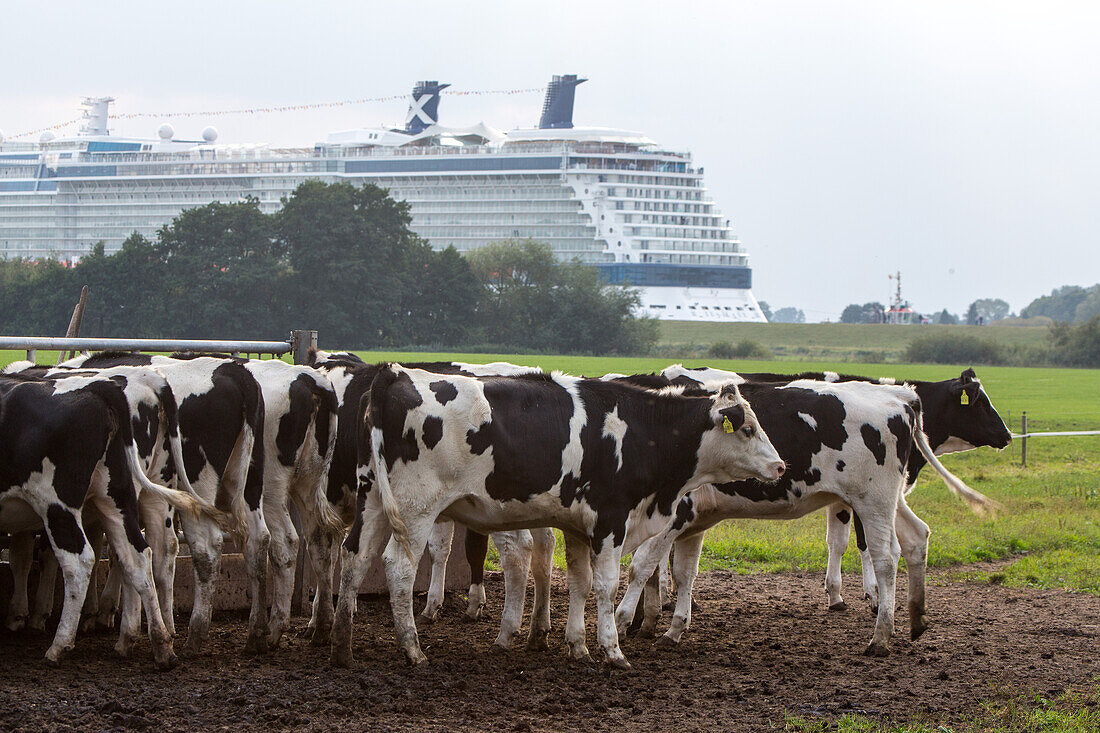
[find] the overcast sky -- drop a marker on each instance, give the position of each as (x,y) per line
(958,142)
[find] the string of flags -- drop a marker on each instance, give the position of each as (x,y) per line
(283,108)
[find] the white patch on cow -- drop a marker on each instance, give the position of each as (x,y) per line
(887,380)
(612,376)
(953,445)
(809,420)
(703,375)
(614,427)
(496,369)
(18,366)
(573,453)
(190,377)
(16,511)
(832,377)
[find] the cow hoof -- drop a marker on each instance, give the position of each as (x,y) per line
(536,642)
(474,614)
(124,648)
(416,658)
(425,619)
(579,653)
(619,663)
(256,644)
(166,662)
(320,637)
(37,624)
(647,631)
(876,650)
(665,642)
(839,606)
(498,648)
(918,626)
(16,623)
(668,606)
(340,657)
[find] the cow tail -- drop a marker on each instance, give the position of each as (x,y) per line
(325,429)
(979,503)
(372,419)
(190,503)
(171,425)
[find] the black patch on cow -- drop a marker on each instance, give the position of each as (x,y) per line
(872,438)
(844,516)
(796,442)
(479,440)
(120,489)
(444,391)
(146,425)
(433,431)
(861,537)
(65,533)
(685,512)
(902,428)
(392,396)
(736,416)
(168,522)
(812,477)
(840,466)
(477,547)
(351,542)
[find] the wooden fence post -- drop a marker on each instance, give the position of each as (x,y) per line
(1023,439)
(300,344)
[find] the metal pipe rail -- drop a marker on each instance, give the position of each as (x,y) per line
(297,345)
(103,344)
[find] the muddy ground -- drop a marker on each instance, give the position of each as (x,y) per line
(760,646)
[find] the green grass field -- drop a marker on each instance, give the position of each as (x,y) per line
(829,341)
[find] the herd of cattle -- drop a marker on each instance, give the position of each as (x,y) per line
(379,459)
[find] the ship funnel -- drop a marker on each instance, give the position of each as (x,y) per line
(557,110)
(95,115)
(424,108)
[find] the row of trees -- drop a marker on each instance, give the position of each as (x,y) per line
(337,258)
(1067,304)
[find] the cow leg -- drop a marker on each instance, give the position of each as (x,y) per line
(605,582)
(104,614)
(663,585)
(515,557)
(283,550)
(867,564)
(367,535)
(477,547)
(47,585)
(205,542)
(913,536)
(882,543)
(542,565)
(401,563)
(652,604)
(20,558)
(76,559)
(578,567)
(134,559)
(685,568)
(837,531)
(643,566)
(439,548)
(161,536)
(255,551)
(323,546)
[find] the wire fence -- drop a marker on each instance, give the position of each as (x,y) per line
(1024,435)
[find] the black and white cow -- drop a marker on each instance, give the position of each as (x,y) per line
(958,416)
(64,443)
(844,442)
(351,378)
(221,421)
(604,462)
(153,415)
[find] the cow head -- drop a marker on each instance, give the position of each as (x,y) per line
(735,447)
(969,418)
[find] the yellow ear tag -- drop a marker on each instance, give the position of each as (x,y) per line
(964,399)
(728,426)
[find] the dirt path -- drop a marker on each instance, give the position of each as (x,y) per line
(759,646)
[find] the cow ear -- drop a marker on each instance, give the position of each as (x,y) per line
(968,375)
(732,418)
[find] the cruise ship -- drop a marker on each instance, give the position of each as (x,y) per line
(615,199)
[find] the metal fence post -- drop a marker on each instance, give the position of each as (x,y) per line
(1023,439)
